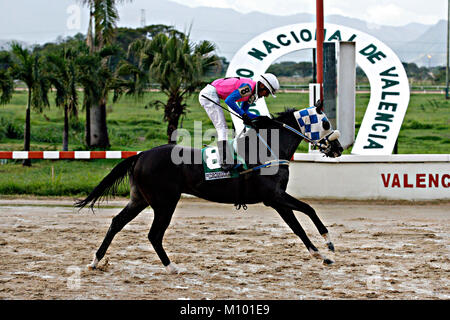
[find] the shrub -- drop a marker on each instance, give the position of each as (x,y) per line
(46,134)
(10,130)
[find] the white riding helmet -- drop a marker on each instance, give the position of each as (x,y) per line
(270,82)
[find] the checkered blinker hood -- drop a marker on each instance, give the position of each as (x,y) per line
(312,124)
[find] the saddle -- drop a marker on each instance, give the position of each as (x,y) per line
(213,171)
(211,164)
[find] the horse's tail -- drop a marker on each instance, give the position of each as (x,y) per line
(110,184)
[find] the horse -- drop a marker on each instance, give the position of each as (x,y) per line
(156,181)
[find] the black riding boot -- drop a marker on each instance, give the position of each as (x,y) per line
(225,155)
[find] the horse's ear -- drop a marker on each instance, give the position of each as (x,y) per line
(319,106)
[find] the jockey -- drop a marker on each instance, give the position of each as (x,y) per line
(234,90)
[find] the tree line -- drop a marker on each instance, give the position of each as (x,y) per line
(304,69)
(122,61)
(108,60)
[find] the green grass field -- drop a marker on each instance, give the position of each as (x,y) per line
(132,126)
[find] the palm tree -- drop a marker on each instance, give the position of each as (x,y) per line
(29,69)
(176,64)
(6,79)
(97,79)
(87,78)
(101,34)
(62,75)
(102,22)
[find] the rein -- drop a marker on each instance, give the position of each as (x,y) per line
(278,162)
(267,164)
(276,121)
(284,125)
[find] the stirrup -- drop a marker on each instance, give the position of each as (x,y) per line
(226,167)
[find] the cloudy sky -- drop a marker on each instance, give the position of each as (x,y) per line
(385,12)
(38,21)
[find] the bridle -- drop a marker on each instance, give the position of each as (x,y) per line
(323,147)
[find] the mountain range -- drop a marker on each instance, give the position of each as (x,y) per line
(422,44)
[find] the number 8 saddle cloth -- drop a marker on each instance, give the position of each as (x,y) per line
(211,164)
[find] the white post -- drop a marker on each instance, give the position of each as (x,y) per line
(345,113)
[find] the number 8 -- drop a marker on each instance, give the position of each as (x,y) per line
(244,90)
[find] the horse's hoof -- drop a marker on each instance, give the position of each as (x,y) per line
(330,246)
(328,262)
(93,264)
(172,268)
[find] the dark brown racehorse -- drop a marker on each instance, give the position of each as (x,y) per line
(157,181)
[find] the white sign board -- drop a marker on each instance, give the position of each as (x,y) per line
(388,177)
(389,89)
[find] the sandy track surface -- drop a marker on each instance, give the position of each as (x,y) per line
(383,251)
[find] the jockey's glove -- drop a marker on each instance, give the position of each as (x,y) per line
(247,120)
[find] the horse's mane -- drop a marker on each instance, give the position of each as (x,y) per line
(287,111)
(279,116)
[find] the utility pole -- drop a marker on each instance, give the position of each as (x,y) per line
(143,18)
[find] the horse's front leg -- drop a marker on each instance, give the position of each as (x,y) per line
(288,216)
(290,202)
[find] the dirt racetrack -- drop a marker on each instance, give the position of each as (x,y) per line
(383,251)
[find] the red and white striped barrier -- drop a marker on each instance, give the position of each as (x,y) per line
(55,155)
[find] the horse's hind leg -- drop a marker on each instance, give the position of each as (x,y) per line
(162,216)
(289,217)
(292,203)
(132,209)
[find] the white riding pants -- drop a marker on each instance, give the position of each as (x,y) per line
(215,113)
